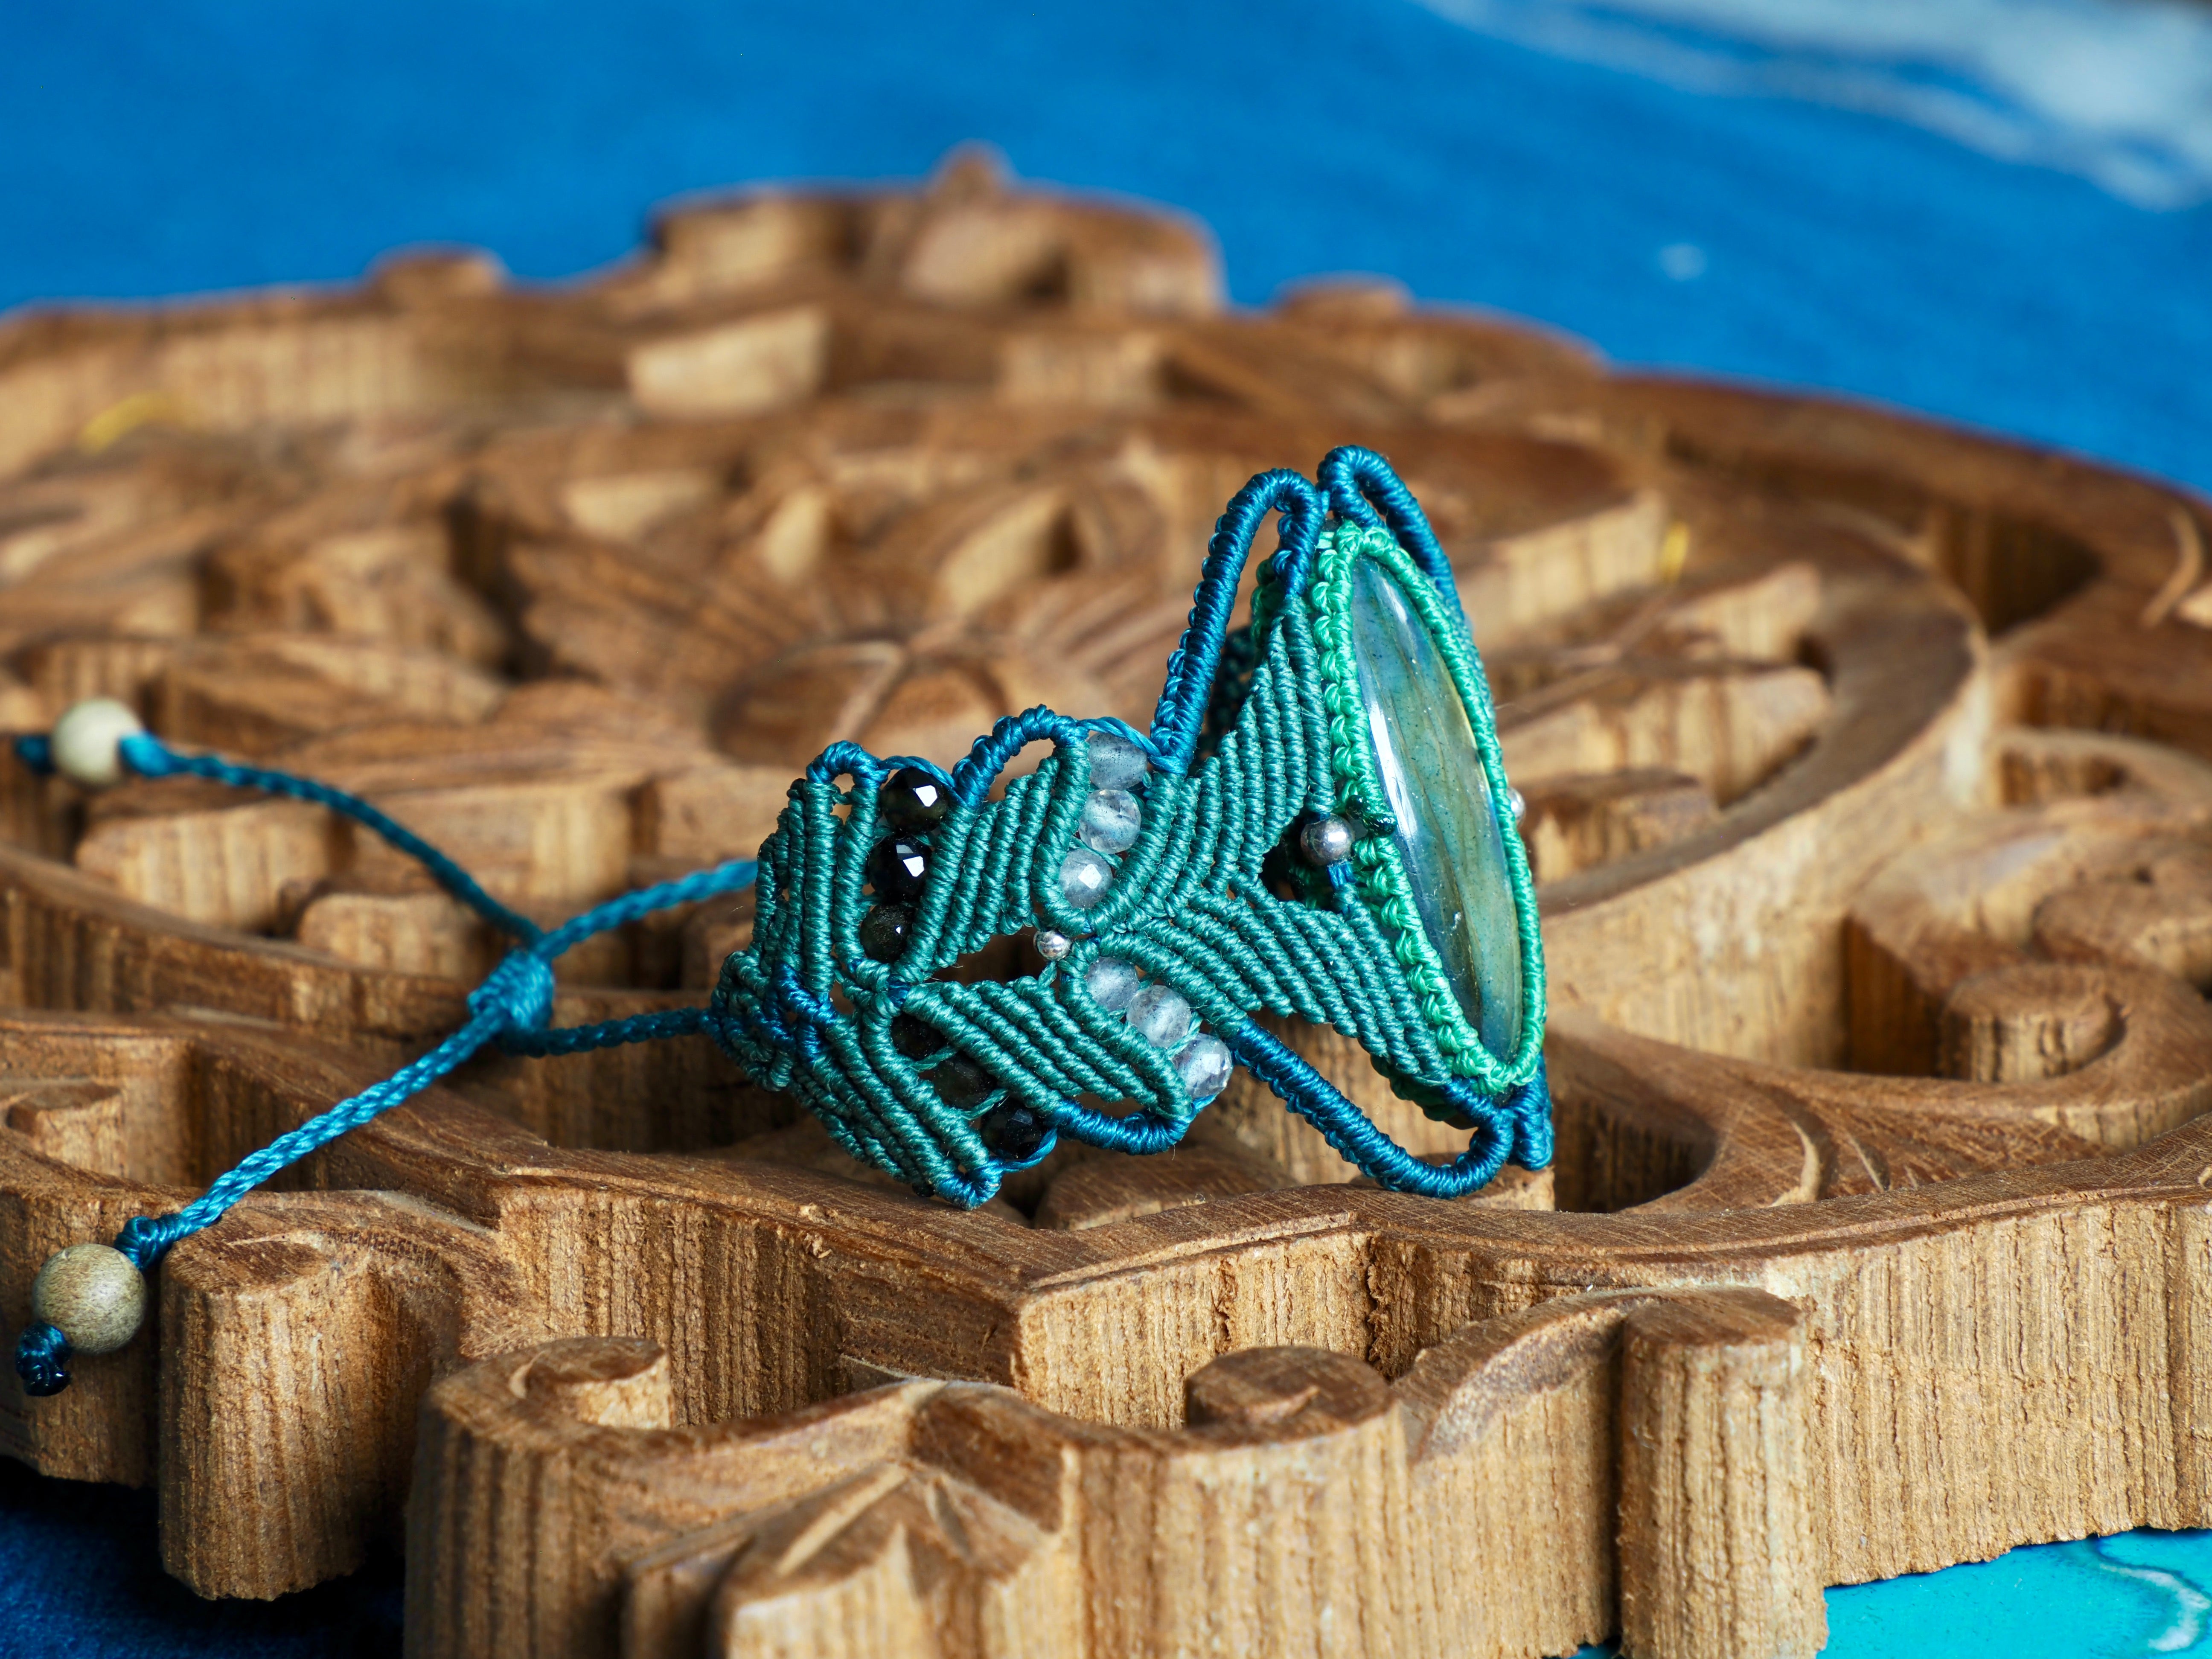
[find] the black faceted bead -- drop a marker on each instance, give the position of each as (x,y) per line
(961,1083)
(884,931)
(911,799)
(1014,1132)
(897,867)
(914,1038)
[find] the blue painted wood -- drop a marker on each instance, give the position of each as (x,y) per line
(2141,1593)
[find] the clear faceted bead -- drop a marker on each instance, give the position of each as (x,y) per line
(1084,876)
(1115,762)
(1160,1016)
(1204,1065)
(1111,983)
(1111,820)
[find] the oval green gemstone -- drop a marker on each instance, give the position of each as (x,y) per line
(1447,836)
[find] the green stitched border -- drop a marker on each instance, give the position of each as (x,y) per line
(1382,882)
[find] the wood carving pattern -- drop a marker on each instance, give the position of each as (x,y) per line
(1870,775)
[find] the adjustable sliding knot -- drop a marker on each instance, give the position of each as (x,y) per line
(517,995)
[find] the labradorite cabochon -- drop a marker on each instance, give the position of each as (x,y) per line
(1447,836)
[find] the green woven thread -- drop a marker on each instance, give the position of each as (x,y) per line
(1382,880)
(1188,906)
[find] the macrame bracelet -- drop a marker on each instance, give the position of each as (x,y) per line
(1315,788)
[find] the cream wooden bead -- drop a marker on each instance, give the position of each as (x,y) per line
(93,1294)
(88,741)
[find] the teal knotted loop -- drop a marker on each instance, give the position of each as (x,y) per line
(42,1356)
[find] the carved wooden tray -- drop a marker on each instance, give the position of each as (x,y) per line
(1869,774)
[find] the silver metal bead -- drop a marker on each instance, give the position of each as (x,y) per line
(1052,944)
(1326,841)
(1517,805)
(93,1294)
(1112,820)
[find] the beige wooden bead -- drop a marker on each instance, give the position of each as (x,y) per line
(93,1294)
(86,741)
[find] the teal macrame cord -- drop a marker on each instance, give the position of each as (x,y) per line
(1159,874)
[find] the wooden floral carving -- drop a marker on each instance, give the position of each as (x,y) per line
(1869,770)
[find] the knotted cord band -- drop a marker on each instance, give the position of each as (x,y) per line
(1252,739)
(1196,663)
(807,1008)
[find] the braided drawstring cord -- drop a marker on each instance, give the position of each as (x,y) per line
(147,755)
(512,1007)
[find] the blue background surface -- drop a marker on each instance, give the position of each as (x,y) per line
(256,141)
(1781,240)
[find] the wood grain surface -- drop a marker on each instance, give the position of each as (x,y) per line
(1869,770)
